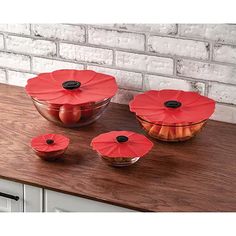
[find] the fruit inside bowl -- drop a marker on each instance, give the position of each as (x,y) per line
(172,132)
(71,98)
(71,115)
(50,147)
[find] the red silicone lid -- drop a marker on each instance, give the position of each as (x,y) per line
(50,142)
(71,87)
(121,144)
(172,106)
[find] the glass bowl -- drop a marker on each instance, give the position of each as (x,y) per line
(50,156)
(171,133)
(71,115)
(119,161)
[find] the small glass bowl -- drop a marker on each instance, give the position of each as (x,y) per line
(71,115)
(171,133)
(50,156)
(119,161)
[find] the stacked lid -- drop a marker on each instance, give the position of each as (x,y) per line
(71,87)
(172,106)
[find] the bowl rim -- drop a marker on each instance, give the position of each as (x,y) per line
(94,105)
(171,125)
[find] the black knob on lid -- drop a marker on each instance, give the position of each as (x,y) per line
(172,104)
(49,141)
(71,84)
(122,139)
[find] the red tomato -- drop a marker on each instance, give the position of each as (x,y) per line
(69,114)
(87,110)
(53,111)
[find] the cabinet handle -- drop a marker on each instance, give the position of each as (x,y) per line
(16,198)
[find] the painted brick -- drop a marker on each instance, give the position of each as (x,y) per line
(73,33)
(40,65)
(124,96)
(222,93)
(2,76)
(1,42)
(19,78)
(167,29)
(144,62)
(86,54)
(16,28)
(217,32)
(224,53)
(124,79)
(224,113)
(30,46)
(113,38)
(14,61)
(161,82)
(206,71)
(179,47)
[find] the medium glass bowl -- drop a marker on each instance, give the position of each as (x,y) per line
(171,133)
(50,156)
(71,115)
(119,161)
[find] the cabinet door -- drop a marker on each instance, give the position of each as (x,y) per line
(33,199)
(59,202)
(11,189)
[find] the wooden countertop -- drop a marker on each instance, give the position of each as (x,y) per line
(196,175)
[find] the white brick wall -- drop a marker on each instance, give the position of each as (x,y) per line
(207,71)
(1,42)
(60,31)
(125,79)
(144,62)
(2,76)
(160,82)
(86,54)
(14,61)
(19,78)
(16,28)
(196,57)
(222,93)
(217,32)
(113,38)
(178,47)
(30,46)
(40,65)
(167,29)
(224,53)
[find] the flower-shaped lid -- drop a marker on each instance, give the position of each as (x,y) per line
(121,144)
(50,143)
(71,87)
(172,106)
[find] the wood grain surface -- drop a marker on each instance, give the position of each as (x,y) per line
(196,175)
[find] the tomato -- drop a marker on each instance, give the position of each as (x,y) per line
(69,114)
(87,110)
(53,111)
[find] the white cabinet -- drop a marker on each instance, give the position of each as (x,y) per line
(17,197)
(33,199)
(8,191)
(59,202)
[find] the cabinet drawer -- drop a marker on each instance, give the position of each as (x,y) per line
(59,202)
(14,189)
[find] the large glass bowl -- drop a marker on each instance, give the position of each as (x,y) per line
(71,115)
(119,161)
(171,133)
